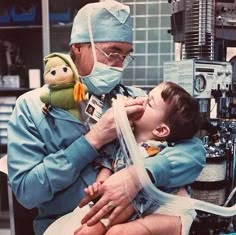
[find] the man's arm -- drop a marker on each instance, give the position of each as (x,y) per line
(104,131)
(48,157)
(41,157)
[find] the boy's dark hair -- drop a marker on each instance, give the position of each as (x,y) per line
(182,115)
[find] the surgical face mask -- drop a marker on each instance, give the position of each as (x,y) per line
(102,79)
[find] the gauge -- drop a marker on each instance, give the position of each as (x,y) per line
(200,83)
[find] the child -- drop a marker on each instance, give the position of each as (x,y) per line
(171,115)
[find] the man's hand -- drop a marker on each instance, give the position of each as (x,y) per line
(117,193)
(104,131)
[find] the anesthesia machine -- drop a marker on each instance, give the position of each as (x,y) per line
(205,29)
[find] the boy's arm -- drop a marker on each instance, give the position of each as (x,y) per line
(177,165)
(103,175)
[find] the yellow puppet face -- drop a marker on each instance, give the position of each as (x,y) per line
(59,74)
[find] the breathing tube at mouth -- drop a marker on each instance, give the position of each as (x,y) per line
(129,147)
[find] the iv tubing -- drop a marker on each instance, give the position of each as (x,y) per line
(171,201)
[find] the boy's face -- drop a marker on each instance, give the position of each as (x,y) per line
(153,116)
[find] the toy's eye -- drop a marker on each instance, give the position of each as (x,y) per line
(65,69)
(53,72)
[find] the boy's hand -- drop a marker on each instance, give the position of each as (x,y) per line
(94,189)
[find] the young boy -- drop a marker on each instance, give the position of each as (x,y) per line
(171,115)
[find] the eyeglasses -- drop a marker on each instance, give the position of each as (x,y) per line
(117,58)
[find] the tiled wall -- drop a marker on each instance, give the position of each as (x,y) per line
(152,43)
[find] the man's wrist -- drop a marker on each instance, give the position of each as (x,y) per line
(135,179)
(93,140)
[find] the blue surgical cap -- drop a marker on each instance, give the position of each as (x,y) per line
(110,22)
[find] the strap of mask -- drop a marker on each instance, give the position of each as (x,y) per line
(117,90)
(125,91)
(91,36)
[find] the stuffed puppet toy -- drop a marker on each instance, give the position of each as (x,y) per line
(65,90)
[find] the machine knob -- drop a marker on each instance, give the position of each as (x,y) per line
(227,72)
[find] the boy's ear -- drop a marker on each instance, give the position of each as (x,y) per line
(161,131)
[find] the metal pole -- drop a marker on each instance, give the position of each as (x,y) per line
(234,165)
(45,27)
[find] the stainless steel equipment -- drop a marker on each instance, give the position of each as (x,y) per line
(199,29)
(207,80)
(205,28)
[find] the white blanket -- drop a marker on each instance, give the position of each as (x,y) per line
(68,223)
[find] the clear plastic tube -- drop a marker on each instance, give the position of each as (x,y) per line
(173,202)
